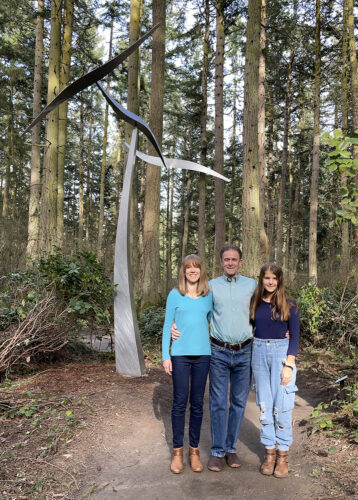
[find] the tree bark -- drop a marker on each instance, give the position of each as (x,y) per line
(62,113)
(49,187)
(35,178)
(251,184)
(261,133)
(81,177)
(286,127)
(219,134)
(133,105)
(203,135)
(104,156)
(345,226)
(354,87)
(151,263)
(312,250)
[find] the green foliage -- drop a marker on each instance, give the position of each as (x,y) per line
(311,308)
(151,323)
(338,417)
(343,159)
(328,317)
(80,282)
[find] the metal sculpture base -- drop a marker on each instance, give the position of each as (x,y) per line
(128,347)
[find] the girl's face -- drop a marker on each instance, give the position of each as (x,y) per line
(269,282)
(192,274)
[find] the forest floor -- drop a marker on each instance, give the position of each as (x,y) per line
(81,431)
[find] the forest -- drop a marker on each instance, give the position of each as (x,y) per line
(263,92)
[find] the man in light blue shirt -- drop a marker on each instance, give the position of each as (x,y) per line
(230,365)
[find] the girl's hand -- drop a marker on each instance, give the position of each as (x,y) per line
(286,375)
(167,365)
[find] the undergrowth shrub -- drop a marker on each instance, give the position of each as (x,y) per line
(43,307)
(329,316)
(150,324)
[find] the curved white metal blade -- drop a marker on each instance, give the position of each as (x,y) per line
(182,164)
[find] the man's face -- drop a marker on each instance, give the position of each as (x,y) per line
(231,262)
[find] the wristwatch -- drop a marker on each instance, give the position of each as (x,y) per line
(285,363)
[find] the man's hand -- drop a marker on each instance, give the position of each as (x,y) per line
(287,335)
(174,332)
(286,375)
(167,365)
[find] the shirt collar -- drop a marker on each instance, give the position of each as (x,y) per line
(233,279)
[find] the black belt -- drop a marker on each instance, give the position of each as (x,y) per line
(233,347)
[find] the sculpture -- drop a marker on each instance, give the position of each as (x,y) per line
(128,348)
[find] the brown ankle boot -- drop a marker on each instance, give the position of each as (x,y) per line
(269,463)
(177,461)
(194,459)
(281,469)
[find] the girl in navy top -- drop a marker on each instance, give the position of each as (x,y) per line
(190,307)
(273,312)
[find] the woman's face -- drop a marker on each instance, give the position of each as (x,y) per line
(269,282)
(192,274)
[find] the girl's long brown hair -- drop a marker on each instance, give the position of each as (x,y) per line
(202,285)
(280,300)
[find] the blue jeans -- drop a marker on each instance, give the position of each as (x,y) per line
(194,369)
(275,401)
(226,367)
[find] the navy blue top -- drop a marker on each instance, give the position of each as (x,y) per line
(267,328)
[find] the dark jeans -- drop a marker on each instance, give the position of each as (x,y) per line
(194,369)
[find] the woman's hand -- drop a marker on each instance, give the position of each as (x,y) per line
(167,365)
(175,334)
(286,375)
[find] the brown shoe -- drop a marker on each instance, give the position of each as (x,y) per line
(281,469)
(177,461)
(216,464)
(269,463)
(232,460)
(194,459)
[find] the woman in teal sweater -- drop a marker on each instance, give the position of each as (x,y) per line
(190,307)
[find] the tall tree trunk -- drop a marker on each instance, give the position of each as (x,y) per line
(203,135)
(170,232)
(251,185)
(10,160)
(88,181)
(104,156)
(233,149)
(133,105)
(281,200)
(151,264)
(345,227)
(270,185)
(81,177)
(261,133)
(312,251)
(62,113)
(49,187)
(35,178)
(118,170)
(186,216)
(219,133)
(354,87)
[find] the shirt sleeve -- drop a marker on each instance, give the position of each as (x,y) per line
(294,328)
(169,318)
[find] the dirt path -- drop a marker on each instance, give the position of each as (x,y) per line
(124,450)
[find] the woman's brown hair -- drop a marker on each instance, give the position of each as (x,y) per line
(280,300)
(202,285)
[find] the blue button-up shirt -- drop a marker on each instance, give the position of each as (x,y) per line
(230,321)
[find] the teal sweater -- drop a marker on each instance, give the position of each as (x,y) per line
(191,317)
